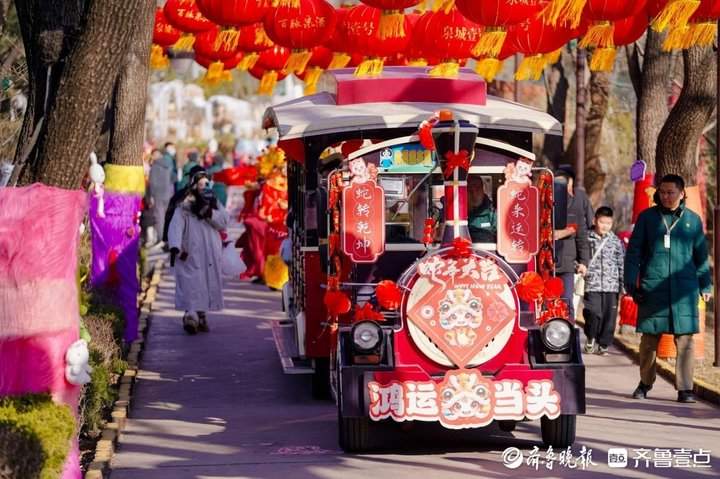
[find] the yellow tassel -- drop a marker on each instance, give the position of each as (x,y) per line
(678,38)
(490,43)
(275,272)
(449,69)
(268,82)
(488,68)
(600,34)
(215,71)
(339,60)
(553,57)
(227,40)
(158,59)
(703,34)
(370,67)
(297,61)
(444,5)
(261,38)
(603,59)
(185,43)
(312,76)
(376,67)
(563,12)
(248,61)
(417,62)
(286,3)
(392,24)
(676,13)
(531,67)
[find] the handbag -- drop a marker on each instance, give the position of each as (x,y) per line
(232,264)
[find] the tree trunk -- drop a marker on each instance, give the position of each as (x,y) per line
(71,123)
(556,86)
(678,141)
(599,102)
(652,109)
(130,95)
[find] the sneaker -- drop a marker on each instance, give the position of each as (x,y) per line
(641,391)
(603,351)
(203,324)
(590,346)
(190,323)
(686,397)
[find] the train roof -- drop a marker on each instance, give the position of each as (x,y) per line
(401,97)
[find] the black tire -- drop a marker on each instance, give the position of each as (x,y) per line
(321,379)
(507,426)
(558,432)
(353,433)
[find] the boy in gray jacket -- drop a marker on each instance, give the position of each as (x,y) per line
(603,283)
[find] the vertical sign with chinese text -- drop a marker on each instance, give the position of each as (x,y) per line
(518,212)
(363,221)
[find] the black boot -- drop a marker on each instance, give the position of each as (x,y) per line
(641,391)
(686,396)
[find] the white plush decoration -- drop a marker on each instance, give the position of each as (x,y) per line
(97,176)
(77,368)
(6,169)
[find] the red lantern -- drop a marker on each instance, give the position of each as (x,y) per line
(337,42)
(530,287)
(218,71)
(603,14)
(496,16)
(300,28)
(319,62)
(337,303)
(388,295)
(625,31)
(231,14)
(208,45)
(185,16)
(251,40)
(449,36)
(553,288)
(270,68)
(414,54)
(164,35)
(392,24)
(535,39)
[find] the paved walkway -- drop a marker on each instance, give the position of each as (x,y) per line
(217,406)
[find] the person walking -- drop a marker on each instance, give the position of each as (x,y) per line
(666,271)
(196,253)
(160,189)
(603,283)
(571,243)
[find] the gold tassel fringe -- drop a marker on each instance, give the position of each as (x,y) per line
(339,60)
(392,24)
(446,69)
(268,82)
(417,62)
(488,68)
(158,59)
(553,57)
(444,5)
(678,37)
(248,61)
(703,34)
(261,38)
(286,3)
(297,61)
(676,13)
(312,75)
(370,67)
(185,42)
(227,40)
(563,12)
(600,34)
(490,43)
(603,59)
(531,67)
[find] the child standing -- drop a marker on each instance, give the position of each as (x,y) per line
(603,283)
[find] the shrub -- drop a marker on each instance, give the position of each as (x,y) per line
(35,436)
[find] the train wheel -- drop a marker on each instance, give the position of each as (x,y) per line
(321,379)
(353,433)
(558,432)
(507,426)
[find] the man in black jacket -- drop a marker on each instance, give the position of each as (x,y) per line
(572,248)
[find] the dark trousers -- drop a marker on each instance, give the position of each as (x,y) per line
(568,280)
(600,313)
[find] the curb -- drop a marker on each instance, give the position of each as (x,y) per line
(99,468)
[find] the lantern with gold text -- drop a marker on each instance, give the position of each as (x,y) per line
(392,24)
(186,17)
(495,16)
(218,71)
(231,14)
(164,35)
(252,39)
(319,62)
(271,64)
(415,56)
(300,28)
(535,39)
(699,31)
(206,45)
(449,36)
(625,31)
(337,42)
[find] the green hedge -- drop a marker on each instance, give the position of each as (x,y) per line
(35,436)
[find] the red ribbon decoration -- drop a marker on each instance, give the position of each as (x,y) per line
(462,248)
(461,159)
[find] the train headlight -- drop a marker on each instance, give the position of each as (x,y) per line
(366,336)
(556,334)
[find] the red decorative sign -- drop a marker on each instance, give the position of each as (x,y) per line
(461,305)
(463,399)
(518,216)
(363,215)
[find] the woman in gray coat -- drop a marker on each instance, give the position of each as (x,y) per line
(196,252)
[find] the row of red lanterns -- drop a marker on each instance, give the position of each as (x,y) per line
(379,31)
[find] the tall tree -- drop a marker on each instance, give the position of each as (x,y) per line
(599,101)
(678,140)
(74,57)
(556,87)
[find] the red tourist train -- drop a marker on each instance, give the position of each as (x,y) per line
(421,283)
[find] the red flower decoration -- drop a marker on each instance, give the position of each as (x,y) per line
(337,303)
(366,312)
(530,287)
(553,288)
(388,295)
(462,248)
(461,159)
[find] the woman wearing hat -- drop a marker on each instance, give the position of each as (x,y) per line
(196,251)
